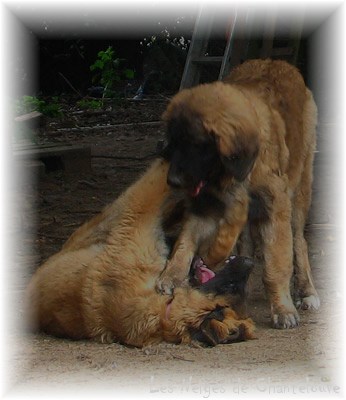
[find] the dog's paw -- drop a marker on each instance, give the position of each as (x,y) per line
(174,275)
(238,329)
(167,282)
(285,320)
(165,285)
(311,302)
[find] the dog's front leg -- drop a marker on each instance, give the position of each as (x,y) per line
(228,231)
(224,242)
(177,268)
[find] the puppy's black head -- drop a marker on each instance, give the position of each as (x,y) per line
(230,281)
(231,278)
(192,153)
(206,145)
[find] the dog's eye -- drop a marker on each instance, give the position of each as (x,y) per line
(233,157)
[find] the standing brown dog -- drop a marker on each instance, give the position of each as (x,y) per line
(245,148)
(101,285)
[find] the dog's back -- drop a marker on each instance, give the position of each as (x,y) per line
(116,251)
(282,88)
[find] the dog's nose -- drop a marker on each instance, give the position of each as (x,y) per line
(174,181)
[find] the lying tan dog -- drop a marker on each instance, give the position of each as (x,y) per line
(244,149)
(101,285)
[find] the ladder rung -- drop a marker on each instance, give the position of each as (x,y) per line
(207,60)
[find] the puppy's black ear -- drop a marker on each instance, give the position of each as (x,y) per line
(163,149)
(238,148)
(240,164)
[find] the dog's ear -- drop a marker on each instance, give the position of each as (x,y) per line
(238,148)
(240,164)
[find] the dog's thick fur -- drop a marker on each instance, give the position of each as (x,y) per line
(245,147)
(101,285)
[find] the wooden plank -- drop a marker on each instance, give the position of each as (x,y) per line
(54,151)
(28,117)
(32,146)
(229,47)
(70,158)
(100,127)
(198,46)
(35,167)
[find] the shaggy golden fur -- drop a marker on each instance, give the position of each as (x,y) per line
(101,285)
(261,120)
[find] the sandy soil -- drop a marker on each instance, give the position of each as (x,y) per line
(300,361)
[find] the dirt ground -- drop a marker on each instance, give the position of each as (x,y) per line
(301,361)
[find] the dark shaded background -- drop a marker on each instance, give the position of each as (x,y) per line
(61,55)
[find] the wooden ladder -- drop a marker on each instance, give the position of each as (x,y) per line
(242,42)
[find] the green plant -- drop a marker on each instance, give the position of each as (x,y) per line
(109,72)
(89,104)
(28,104)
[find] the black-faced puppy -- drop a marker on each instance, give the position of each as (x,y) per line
(230,280)
(203,177)
(249,140)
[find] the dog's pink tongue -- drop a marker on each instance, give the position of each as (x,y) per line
(204,274)
(197,189)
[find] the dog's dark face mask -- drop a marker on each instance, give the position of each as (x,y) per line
(193,156)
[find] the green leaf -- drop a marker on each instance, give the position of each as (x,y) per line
(98,64)
(129,73)
(109,68)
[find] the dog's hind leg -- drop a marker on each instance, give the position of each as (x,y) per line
(307,297)
(278,257)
